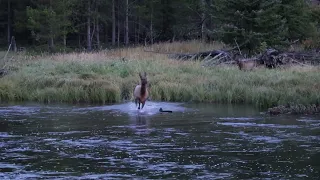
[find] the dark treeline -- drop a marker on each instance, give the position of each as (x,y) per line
(94,24)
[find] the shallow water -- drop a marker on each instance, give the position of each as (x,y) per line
(119,142)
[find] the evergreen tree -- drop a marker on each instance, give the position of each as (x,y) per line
(189,16)
(298,16)
(254,24)
(249,23)
(48,20)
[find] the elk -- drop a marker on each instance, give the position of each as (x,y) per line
(247,64)
(141,91)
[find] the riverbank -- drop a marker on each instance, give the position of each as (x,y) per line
(110,76)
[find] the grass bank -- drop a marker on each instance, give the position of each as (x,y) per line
(110,76)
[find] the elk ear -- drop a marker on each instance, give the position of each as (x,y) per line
(145,74)
(140,75)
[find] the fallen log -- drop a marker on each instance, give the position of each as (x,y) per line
(273,58)
(199,55)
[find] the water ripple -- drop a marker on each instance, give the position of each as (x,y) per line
(120,142)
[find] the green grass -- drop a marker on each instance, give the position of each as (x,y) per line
(104,78)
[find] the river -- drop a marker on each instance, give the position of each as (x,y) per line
(195,141)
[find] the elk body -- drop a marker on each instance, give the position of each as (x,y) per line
(247,64)
(141,91)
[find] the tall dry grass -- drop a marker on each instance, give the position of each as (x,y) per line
(111,75)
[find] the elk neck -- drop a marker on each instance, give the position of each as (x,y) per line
(143,88)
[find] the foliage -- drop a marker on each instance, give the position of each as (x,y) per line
(298,16)
(49,20)
(253,24)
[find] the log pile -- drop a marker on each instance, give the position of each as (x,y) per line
(200,55)
(271,58)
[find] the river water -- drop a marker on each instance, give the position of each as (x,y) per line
(196,141)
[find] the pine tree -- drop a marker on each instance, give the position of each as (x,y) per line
(249,23)
(48,20)
(298,16)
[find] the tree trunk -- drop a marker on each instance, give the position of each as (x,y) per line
(89,27)
(106,40)
(151,25)
(9,23)
(98,33)
(138,30)
(127,23)
(124,32)
(93,32)
(65,18)
(118,19)
(79,40)
(13,44)
(65,41)
(51,35)
(135,30)
(203,20)
(51,43)
(113,24)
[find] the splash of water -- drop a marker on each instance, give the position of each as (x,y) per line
(151,108)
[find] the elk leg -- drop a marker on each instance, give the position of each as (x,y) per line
(139,104)
(136,101)
(143,105)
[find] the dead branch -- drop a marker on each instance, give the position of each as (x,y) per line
(271,58)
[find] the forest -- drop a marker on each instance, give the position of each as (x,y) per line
(78,25)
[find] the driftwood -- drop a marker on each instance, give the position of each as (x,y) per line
(271,58)
(199,55)
(206,55)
